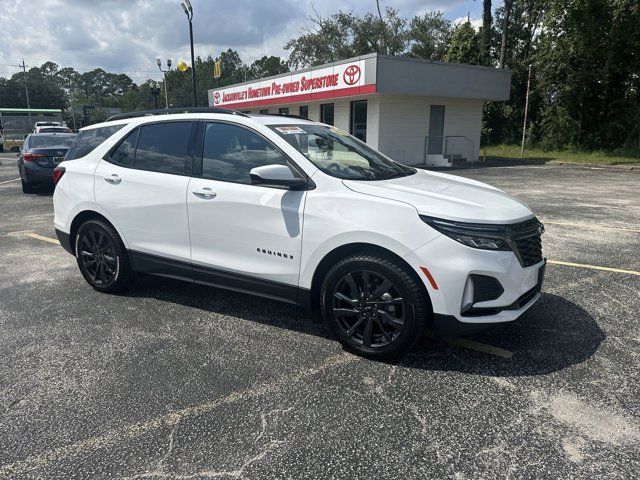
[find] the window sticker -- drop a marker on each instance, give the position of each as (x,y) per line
(338,131)
(290,130)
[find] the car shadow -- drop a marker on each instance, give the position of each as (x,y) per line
(554,334)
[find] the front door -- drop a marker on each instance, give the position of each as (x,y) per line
(243,236)
(436,130)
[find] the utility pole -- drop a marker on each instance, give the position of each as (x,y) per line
(26,89)
(526,109)
(505,28)
(188,10)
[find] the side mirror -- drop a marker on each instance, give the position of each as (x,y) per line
(276,176)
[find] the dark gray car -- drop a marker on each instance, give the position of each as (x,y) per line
(40,154)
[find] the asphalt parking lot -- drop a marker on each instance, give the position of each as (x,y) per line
(180,381)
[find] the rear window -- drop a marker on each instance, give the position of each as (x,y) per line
(52,141)
(54,130)
(88,140)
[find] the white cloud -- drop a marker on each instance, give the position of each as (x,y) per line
(476,23)
(128,35)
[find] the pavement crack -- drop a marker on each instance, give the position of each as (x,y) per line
(264,421)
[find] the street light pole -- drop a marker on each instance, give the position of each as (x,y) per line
(164,72)
(188,10)
(155,91)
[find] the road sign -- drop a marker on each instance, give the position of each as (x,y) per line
(217,69)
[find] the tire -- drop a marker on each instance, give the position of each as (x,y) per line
(102,257)
(26,187)
(393,318)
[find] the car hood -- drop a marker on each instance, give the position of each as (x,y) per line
(447,196)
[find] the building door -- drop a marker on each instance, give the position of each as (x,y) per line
(358,127)
(436,130)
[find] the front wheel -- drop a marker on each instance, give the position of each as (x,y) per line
(102,257)
(374,306)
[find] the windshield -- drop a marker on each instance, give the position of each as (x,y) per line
(339,154)
(51,141)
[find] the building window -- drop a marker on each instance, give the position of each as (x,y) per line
(283,111)
(358,125)
(326,113)
(264,111)
(304,111)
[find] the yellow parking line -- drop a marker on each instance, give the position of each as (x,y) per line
(9,181)
(476,346)
(41,237)
(593,267)
(592,226)
(482,347)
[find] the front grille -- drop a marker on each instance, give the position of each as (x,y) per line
(526,237)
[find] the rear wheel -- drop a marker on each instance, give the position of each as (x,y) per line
(374,306)
(26,187)
(102,257)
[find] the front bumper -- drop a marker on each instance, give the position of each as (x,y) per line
(450,265)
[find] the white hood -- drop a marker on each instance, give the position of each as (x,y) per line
(447,196)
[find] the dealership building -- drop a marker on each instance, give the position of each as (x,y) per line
(415,111)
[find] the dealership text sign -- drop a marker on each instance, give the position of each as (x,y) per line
(292,87)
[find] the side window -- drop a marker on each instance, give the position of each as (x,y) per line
(162,147)
(88,140)
(230,152)
(123,155)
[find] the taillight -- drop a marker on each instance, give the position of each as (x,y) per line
(30,157)
(57,174)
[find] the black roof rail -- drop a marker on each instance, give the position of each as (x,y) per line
(175,110)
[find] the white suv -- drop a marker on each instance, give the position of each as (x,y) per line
(297,211)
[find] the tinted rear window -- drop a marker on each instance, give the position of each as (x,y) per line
(162,147)
(54,130)
(51,141)
(88,140)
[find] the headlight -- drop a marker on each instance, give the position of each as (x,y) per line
(475,235)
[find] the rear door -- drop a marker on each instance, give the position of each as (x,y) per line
(243,236)
(142,185)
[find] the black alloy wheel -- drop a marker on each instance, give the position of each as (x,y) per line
(369,308)
(375,305)
(102,258)
(97,255)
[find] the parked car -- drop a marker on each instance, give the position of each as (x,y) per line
(40,154)
(297,211)
(52,129)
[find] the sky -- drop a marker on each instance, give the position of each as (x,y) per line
(128,35)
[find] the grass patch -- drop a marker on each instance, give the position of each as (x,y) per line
(615,157)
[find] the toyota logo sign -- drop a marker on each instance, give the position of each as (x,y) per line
(216,98)
(351,75)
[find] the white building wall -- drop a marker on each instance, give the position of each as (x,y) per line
(404,125)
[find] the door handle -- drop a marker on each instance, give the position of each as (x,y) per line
(204,192)
(114,179)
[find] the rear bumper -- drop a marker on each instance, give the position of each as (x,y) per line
(36,173)
(65,240)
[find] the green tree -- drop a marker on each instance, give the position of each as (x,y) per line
(266,67)
(465,45)
(429,36)
(343,35)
